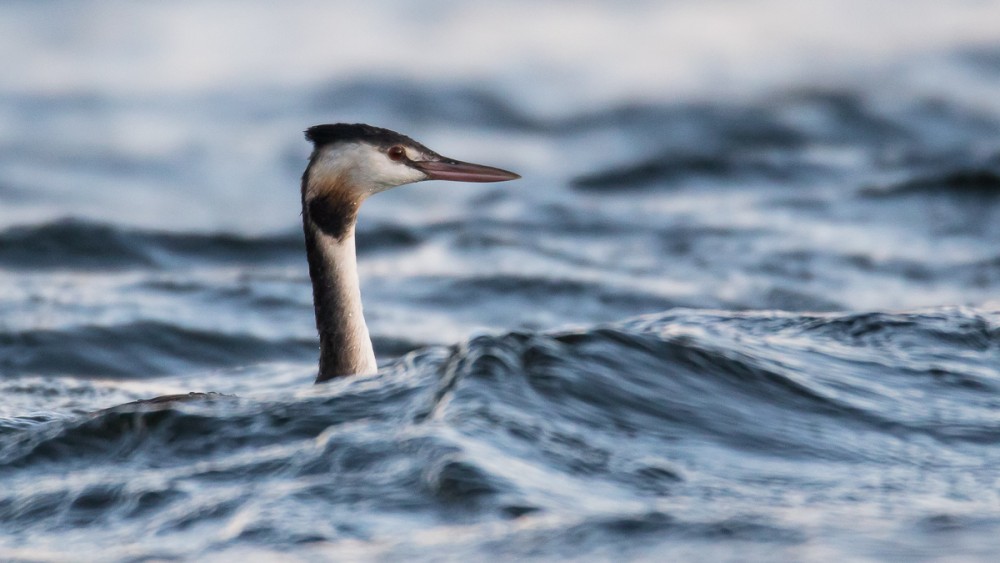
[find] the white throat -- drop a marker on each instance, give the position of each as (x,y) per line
(345,345)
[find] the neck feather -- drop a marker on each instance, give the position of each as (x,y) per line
(329,211)
(345,346)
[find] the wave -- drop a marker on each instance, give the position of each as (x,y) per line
(84,245)
(138,349)
(447,292)
(145,349)
(793,119)
(647,416)
(677,372)
(674,168)
(975,184)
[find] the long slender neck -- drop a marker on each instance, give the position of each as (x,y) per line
(344,345)
(329,212)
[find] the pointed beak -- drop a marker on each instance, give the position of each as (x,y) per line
(456,171)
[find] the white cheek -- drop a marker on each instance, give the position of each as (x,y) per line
(383,173)
(368,170)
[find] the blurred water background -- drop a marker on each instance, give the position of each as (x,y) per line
(742,306)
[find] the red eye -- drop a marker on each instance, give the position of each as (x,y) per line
(397,153)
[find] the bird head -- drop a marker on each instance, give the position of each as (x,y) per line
(350,162)
(353,161)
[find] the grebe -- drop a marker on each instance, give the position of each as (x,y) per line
(350,162)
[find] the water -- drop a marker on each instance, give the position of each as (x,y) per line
(742,306)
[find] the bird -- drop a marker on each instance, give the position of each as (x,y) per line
(349,163)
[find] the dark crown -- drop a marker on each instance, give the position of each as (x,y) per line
(328,134)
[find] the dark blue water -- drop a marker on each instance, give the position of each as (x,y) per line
(709,324)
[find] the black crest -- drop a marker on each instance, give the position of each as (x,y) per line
(322,135)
